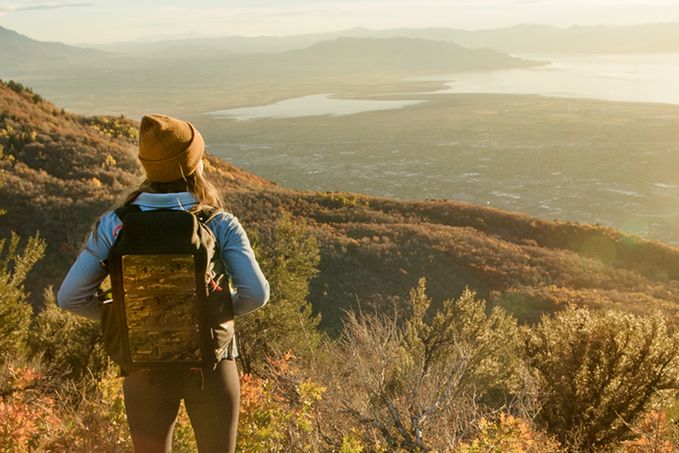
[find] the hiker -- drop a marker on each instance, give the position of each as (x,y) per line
(171,152)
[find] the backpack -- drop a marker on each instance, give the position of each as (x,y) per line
(171,305)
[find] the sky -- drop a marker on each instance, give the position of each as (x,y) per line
(97,21)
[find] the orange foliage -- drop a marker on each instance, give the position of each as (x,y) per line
(653,435)
(27,421)
(509,434)
(277,413)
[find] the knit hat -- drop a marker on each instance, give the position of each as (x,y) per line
(169,149)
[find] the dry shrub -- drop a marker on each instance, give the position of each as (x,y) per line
(655,433)
(600,372)
(509,434)
(278,412)
(425,383)
(29,419)
(94,415)
(183,438)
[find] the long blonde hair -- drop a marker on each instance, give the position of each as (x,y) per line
(205,192)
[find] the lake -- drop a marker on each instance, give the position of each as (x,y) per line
(630,78)
(314,105)
(614,164)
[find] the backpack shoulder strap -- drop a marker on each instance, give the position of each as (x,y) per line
(206,213)
(122,211)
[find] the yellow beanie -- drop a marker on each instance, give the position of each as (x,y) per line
(169,149)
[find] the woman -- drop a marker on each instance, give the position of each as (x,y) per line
(171,153)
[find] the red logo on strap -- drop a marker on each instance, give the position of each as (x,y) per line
(116,230)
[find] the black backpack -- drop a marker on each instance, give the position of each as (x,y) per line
(171,305)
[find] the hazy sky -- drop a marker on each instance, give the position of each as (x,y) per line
(99,21)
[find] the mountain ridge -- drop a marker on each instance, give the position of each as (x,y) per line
(533,38)
(21,53)
(193,80)
(412,55)
(18,53)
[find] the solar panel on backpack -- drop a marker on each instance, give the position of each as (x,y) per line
(161,313)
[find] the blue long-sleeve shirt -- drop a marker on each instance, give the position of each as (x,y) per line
(79,288)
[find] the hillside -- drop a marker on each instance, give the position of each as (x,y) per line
(20,54)
(59,171)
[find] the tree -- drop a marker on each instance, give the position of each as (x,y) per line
(600,372)
(15,311)
(288,256)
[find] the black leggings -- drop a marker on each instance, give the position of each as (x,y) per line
(212,401)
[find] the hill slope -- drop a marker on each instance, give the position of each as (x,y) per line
(59,171)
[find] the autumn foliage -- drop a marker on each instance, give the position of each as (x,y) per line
(526,336)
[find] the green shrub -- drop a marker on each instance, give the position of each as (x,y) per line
(15,311)
(289,257)
(70,345)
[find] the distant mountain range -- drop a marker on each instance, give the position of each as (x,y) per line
(206,78)
(59,171)
(395,55)
(191,75)
(547,39)
(21,54)
(663,37)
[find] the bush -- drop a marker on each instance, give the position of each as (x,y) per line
(508,434)
(654,433)
(289,257)
(424,383)
(279,413)
(93,415)
(70,345)
(600,372)
(15,311)
(29,418)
